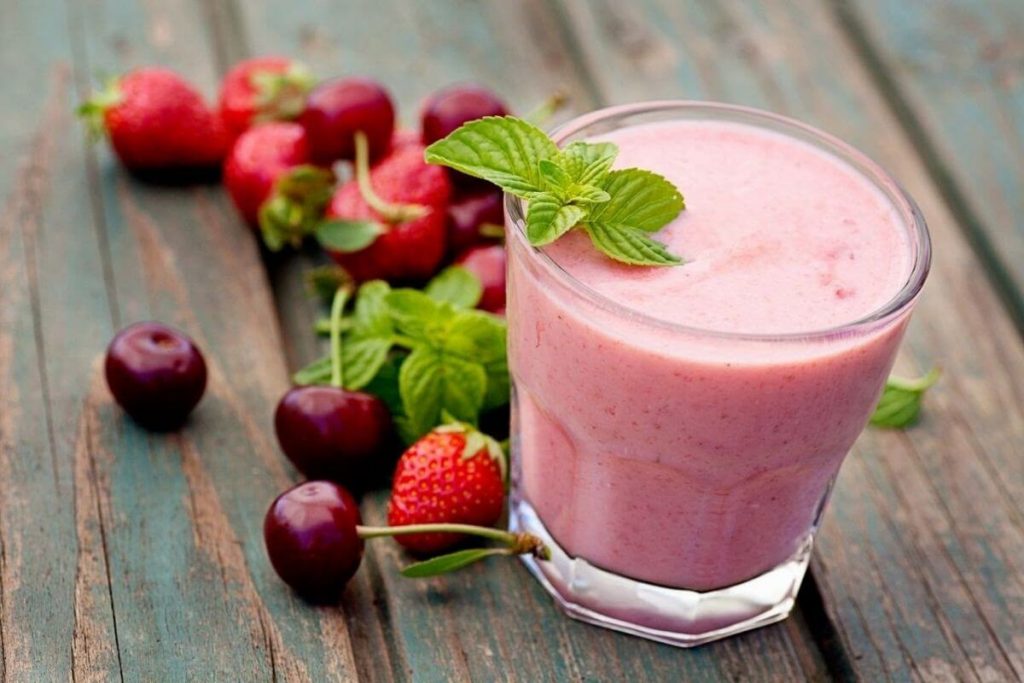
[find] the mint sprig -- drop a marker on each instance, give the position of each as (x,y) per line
(567,188)
(901,400)
(427,354)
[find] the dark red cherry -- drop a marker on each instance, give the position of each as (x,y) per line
(488,264)
(312,541)
(449,108)
(467,213)
(337,109)
(156,373)
(332,433)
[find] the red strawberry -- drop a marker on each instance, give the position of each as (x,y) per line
(271,182)
(157,121)
(403,137)
(263,89)
(453,475)
(412,243)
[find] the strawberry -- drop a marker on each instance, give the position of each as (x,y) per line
(263,89)
(157,121)
(403,137)
(453,475)
(270,180)
(407,198)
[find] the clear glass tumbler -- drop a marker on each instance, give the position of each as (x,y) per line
(706,529)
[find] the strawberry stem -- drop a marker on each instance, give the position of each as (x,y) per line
(337,306)
(94,110)
(281,96)
(389,211)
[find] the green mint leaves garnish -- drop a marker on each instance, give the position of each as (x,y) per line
(427,354)
(901,400)
(567,188)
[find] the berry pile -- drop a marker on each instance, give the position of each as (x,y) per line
(279,137)
(326,161)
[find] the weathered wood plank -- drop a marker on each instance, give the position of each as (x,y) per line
(126,554)
(55,607)
(953,71)
(920,558)
(493,622)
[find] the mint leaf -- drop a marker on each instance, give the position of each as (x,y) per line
(362,359)
(630,245)
(371,317)
(568,187)
(416,315)
(420,385)
(457,286)
(431,382)
(555,177)
(639,199)
(499,386)
(443,564)
(477,336)
(501,149)
(587,163)
(481,337)
(348,236)
(588,194)
(548,218)
(317,372)
(900,404)
(385,384)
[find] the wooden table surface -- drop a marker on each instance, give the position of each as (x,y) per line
(134,557)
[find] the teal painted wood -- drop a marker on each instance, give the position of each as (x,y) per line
(920,560)
(55,611)
(206,603)
(492,622)
(126,554)
(954,70)
(921,556)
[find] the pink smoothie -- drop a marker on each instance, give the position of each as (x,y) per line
(699,458)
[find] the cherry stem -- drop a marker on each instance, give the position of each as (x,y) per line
(337,307)
(390,212)
(543,113)
(517,543)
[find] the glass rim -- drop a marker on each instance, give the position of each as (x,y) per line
(912,219)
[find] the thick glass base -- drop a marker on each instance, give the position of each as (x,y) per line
(675,616)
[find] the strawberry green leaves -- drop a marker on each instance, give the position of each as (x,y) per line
(347,236)
(427,353)
(568,188)
(295,206)
(901,400)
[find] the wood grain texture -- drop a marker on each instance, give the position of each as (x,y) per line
(125,555)
(953,72)
(53,586)
(490,622)
(920,559)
